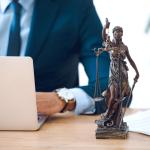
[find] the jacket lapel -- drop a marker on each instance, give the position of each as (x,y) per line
(44,14)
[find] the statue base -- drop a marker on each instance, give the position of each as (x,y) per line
(112,132)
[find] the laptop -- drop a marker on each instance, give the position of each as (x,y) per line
(18,110)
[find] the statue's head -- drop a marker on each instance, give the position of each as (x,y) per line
(117,28)
(117,32)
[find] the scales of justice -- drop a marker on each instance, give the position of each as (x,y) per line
(118,94)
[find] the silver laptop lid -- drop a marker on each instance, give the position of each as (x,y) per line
(17,94)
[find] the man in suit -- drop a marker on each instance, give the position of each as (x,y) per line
(57,34)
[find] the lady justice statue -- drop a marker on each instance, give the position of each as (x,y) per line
(111,124)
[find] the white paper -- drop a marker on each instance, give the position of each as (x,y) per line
(139,122)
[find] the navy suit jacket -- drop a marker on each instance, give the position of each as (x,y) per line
(63,33)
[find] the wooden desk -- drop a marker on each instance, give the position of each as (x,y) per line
(69,132)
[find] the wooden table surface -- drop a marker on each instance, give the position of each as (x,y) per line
(69,132)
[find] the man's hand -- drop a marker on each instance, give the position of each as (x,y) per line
(49,103)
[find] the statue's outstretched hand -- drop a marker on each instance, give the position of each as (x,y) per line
(107,24)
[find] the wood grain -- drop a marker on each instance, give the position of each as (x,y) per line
(69,132)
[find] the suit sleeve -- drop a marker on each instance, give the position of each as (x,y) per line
(90,38)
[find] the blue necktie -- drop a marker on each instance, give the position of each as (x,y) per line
(14,43)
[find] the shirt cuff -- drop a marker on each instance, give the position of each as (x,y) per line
(84,103)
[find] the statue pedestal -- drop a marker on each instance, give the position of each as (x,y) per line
(104,132)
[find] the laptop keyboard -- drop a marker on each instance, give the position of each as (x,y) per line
(41,117)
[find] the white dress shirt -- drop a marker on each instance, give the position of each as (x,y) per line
(84,103)
(6,16)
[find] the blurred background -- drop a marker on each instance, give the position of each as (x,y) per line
(134,17)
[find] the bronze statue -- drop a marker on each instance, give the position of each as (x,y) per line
(118,89)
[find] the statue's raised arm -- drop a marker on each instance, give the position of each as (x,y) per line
(105,30)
